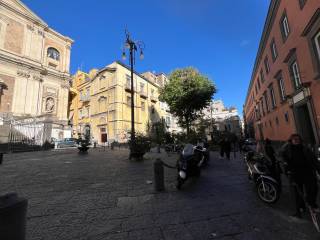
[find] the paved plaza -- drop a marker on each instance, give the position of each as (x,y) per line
(103,195)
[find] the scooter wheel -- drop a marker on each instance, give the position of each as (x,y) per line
(179,183)
(268,191)
(198,172)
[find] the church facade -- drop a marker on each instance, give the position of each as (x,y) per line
(34,68)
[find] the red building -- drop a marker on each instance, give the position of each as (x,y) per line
(284,92)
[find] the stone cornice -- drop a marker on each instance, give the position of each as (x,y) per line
(34,66)
(23,74)
(59,35)
(34,19)
(138,74)
(312,21)
(272,12)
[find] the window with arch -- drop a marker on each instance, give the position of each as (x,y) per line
(102,104)
(53,53)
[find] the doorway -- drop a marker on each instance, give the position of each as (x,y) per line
(104,135)
(305,125)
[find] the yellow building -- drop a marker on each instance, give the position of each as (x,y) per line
(101,107)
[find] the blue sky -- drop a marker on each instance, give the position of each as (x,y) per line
(219,37)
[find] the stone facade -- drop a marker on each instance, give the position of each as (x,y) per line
(283,96)
(223,119)
(160,80)
(34,66)
(101,105)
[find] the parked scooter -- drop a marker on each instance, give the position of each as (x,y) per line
(176,148)
(190,162)
(83,145)
(204,147)
(260,171)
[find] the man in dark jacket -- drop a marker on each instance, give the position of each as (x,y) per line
(225,147)
(275,167)
(301,165)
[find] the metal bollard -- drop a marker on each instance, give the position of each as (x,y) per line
(1,158)
(158,175)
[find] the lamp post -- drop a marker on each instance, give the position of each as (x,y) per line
(132,46)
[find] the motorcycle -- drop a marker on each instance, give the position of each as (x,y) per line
(189,163)
(83,146)
(260,172)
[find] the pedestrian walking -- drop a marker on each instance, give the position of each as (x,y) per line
(301,165)
(221,143)
(225,148)
(241,143)
(275,166)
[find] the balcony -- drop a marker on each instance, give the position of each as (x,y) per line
(85,98)
(143,94)
(128,87)
(153,98)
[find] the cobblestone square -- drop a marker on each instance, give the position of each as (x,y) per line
(103,195)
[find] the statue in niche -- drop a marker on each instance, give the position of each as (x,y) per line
(49,104)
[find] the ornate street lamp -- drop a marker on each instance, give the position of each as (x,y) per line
(132,46)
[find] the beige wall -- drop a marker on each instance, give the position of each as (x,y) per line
(114,115)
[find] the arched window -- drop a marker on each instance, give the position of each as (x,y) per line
(53,53)
(102,101)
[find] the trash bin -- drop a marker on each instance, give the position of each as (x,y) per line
(13,217)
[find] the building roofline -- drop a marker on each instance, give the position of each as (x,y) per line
(30,16)
(110,69)
(59,35)
(161,73)
(272,11)
(138,74)
(33,17)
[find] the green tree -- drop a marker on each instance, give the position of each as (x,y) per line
(157,132)
(187,93)
(202,126)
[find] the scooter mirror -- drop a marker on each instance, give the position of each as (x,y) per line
(182,174)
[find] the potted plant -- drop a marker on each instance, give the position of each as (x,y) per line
(139,147)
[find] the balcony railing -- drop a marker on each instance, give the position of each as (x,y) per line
(143,94)
(128,87)
(153,98)
(85,98)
